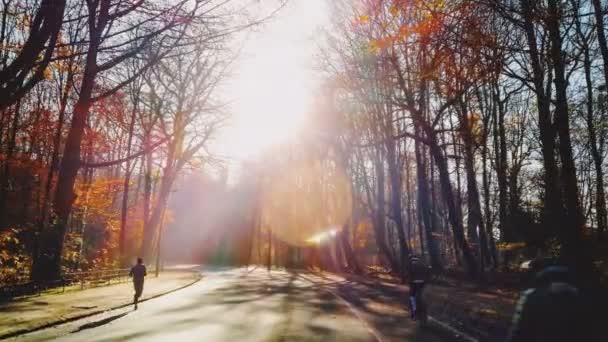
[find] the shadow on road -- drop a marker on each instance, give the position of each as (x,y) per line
(100,322)
(236,305)
(385,309)
(255,305)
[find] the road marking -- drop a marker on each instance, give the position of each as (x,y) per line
(453,330)
(377,335)
(459,334)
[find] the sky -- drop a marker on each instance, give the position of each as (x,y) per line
(272,84)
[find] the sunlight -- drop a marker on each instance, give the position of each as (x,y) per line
(323,236)
(271,91)
(273,98)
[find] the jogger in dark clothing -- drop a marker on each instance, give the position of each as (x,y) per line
(138,272)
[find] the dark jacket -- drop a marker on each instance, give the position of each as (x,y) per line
(138,272)
(552,311)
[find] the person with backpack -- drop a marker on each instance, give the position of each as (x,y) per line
(553,309)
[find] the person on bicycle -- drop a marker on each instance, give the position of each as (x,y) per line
(418,275)
(552,310)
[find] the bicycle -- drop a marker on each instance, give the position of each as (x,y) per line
(418,308)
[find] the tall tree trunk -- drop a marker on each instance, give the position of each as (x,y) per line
(500,146)
(4,182)
(48,264)
(493,254)
(152,230)
(448,196)
(552,215)
(53,165)
(601,35)
(380,219)
(425,219)
(600,198)
(125,193)
(571,233)
(475,222)
(351,258)
(396,205)
(147,192)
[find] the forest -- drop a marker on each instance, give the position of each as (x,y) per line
(472,133)
(469,132)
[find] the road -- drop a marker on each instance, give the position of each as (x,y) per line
(247,305)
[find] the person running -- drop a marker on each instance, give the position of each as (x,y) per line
(138,272)
(418,275)
(553,309)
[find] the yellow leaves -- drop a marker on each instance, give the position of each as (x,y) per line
(436,4)
(363,19)
(394,10)
(512,246)
(377,45)
(374,47)
(47,74)
(98,196)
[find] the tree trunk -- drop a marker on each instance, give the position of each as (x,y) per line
(425,220)
(552,215)
(396,206)
(601,34)
(448,196)
(48,264)
(147,191)
(53,165)
(571,233)
(152,229)
(500,146)
(4,182)
(125,193)
(475,222)
(600,199)
(351,257)
(379,218)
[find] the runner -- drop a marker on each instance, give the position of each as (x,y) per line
(138,272)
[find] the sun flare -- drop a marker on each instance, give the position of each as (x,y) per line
(272,88)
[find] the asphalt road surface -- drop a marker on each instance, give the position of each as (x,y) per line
(249,305)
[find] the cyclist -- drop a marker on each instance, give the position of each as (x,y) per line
(418,276)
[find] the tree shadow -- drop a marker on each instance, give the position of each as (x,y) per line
(253,305)
(385,308)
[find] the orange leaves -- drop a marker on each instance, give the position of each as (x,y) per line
(98,196)
(375,46)
(394,10)
(390,23)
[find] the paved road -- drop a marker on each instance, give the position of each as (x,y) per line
(244,305)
